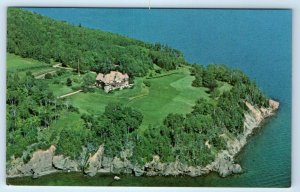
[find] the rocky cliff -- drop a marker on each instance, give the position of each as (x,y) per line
(224,163)
(45,162)
(41,163)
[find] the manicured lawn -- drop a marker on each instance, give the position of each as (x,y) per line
(93,103)
(167,94)
(60,89)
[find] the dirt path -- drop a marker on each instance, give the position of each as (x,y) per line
(55,67)
(69,94)
(59,65)
(43,74)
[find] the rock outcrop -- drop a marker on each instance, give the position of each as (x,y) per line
(64,163)
(224,163)
(39,164)
(94,162)
(273,104)
(45,162)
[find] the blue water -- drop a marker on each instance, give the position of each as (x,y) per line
(255,41)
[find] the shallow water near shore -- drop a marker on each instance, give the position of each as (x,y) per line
(256,41)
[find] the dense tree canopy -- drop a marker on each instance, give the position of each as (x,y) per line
(193,138)
(35,36)
(116,127)
(30,107)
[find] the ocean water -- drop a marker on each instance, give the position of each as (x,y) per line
(256,41)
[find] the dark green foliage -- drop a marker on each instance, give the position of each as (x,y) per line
(197,82)
(230,108)
(158,71)
(174,124)
(209,80)
(154,141)
(71,141)
(88,82)
(30,106)
(181,138)
(48,76)
(197,71)
(116,127)
(219,72)
(147,83)
(204,77)
(35,36)
(194,139)
(69,82)
(203,107)
(60,72)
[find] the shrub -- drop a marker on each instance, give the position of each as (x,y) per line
(147,83)
(69,82)
(60,72)
(56,81)
(48,76)
(158,71)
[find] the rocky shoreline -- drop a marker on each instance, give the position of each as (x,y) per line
(45,162)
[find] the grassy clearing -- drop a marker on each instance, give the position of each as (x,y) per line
(93,103)
(167,94)
(60,89)
(17,63)
(68,121)
(58,84)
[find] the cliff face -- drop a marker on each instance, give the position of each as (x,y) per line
(224,163)
(45,162)
(41,163)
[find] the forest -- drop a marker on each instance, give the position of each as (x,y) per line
(33,112)
(34,36)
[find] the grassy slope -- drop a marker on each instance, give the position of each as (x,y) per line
(18,63)
(21,65)
(69,121)
(170,93)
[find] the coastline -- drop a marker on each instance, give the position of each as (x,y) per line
(45,162)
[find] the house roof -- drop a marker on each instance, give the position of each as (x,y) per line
(112,77)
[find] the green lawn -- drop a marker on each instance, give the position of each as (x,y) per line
(58,84)
(17,63)
(60,89)
(167,94)
(68,121)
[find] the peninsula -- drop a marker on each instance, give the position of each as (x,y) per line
(90,101)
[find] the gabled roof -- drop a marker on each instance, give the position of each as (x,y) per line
(111,77)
